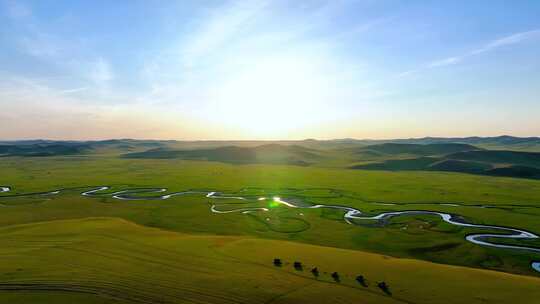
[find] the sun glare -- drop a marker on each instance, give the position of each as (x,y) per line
(274,97)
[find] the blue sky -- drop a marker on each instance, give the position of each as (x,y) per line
(268,69)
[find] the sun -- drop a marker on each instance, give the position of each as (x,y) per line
(273,98)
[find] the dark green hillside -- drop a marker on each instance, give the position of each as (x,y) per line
(418,149)
(271,153)
(516,171)
(421,163)
(529,144)
(500,157)
(229,153)
(459,166)
(427,164)
(496,163)
(52,149)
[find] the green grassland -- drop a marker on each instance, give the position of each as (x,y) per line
(70,248)
(107,260)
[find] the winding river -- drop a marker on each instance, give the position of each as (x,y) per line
(351,214)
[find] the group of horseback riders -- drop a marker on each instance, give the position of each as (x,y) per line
(335,275)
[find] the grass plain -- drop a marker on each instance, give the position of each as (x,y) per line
(69,248)
(108,260)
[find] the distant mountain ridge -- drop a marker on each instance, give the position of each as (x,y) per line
(503,141)
(431,140)
(472,140)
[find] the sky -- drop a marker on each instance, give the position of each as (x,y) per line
(267,69)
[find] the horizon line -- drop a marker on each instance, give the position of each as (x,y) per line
(270,140)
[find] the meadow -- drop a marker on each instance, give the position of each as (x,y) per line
(269,152)
(94,249)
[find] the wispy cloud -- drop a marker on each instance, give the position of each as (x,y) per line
(74,90)
(446,61)
(31,39)
(508,40)
(100,72)
(69,56)
(490,46)
(41,45)
(228,37)
(220,26)
(59,114)
(17,9)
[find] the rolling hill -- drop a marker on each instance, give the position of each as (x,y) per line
(44,149)
(504,142)
(270,153)
(428,154)
(496,163)
(417,149)
(111,260)
(500,157)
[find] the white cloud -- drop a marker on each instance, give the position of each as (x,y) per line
(68,57)
(17,9)
(219,27)
(490,46)
(100,72)
(74,90)
(41,45)
(508,40)
(444,62)
(58,114)
(227,38)
(495,44)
